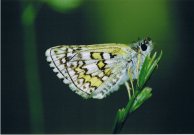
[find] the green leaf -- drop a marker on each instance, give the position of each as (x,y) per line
(141,98)
(148,66)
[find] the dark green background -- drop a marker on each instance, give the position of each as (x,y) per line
(168,23)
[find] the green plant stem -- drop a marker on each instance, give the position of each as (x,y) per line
(124,113)
(134,103)
(31,67)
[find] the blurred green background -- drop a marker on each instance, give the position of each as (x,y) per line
(33,100)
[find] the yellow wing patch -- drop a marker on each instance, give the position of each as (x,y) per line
(96,55)
(101,64)
(107,71)
(95,82)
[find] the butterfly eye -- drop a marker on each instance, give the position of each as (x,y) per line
(143,47)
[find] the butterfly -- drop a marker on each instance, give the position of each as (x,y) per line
(95,71)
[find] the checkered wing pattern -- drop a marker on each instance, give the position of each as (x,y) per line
(92,71)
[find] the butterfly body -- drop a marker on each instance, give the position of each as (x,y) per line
(94,71)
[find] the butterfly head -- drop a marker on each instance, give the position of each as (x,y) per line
(144,46)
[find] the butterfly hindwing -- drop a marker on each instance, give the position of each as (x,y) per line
(91,71)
